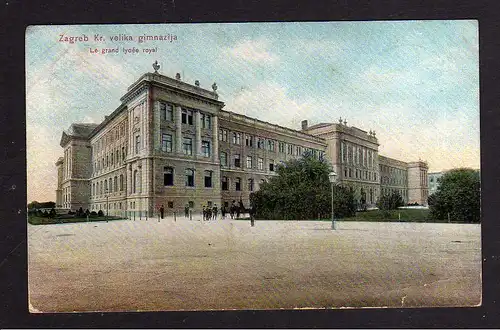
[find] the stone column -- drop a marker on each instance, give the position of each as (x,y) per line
(197,125)
(215,139)
(178,129)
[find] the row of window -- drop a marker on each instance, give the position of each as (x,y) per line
(189,175)
(236,162)
(104,186)
(113,158)
(357,155)
(167,113)
(187,145)
(113,135)
(360,174)
(266,144)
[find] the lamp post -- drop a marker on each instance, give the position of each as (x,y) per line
(333,178)
(107,206)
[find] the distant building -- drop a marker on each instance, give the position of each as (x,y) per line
(170,143)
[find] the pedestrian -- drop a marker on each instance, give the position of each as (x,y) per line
(252,212)
(186,211)
(232,210)
(223,211)
(209,213)
(238,210)
(204,212)
(214,212)
(162,210)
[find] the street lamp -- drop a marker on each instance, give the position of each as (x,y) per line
(333,179)
(107,206)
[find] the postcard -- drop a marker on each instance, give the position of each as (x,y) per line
(254,166)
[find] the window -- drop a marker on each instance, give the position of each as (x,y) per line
(93,188)
(188,146)
(261,163)
(123,154)
(236,138)
(281,147)
(250,184)
(121,182)
(206,121)
(350,173)
(260,143)
(107,160)
(223,135)
(137,143)
(187,117)
(166,111)
(249,161)
(115,184)
(112,159)
(237,161)
(189,177)
(136,178)
(205,148)
(237,184)
(289,149)
(168,176)
(224,183)
(248,140)
(223,159)
(106,190)
(208,179)
(166,142)
(270,145)
(271,165)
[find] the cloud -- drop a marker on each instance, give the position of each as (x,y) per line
(269,102)
(253,51)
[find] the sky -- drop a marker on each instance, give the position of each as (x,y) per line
(416,83)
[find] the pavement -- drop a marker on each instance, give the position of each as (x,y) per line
(227,264)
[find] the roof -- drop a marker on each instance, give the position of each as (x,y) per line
(81,129)
(317,126)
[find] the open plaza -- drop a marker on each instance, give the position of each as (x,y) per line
(180,264)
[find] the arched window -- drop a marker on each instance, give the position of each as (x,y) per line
(189,177)
(115,188)
(224,183)
(168,176)
(121,182)
(136,177)
(208,179)
(106,186)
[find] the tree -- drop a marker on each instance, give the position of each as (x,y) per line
(301,190)
(390,201)
(458,195)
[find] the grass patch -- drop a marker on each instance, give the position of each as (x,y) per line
(34,220)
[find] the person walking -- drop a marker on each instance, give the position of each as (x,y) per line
(252,212)
(204,212)
(215,212)
(209,213)
(223,211)
(232,210)
(186,211)
(162,211)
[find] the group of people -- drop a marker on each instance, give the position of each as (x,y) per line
(211,213)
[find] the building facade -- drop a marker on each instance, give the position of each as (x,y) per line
(170,143)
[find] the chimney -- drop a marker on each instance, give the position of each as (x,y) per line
(304,125)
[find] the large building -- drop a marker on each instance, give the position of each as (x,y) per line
(170,143)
